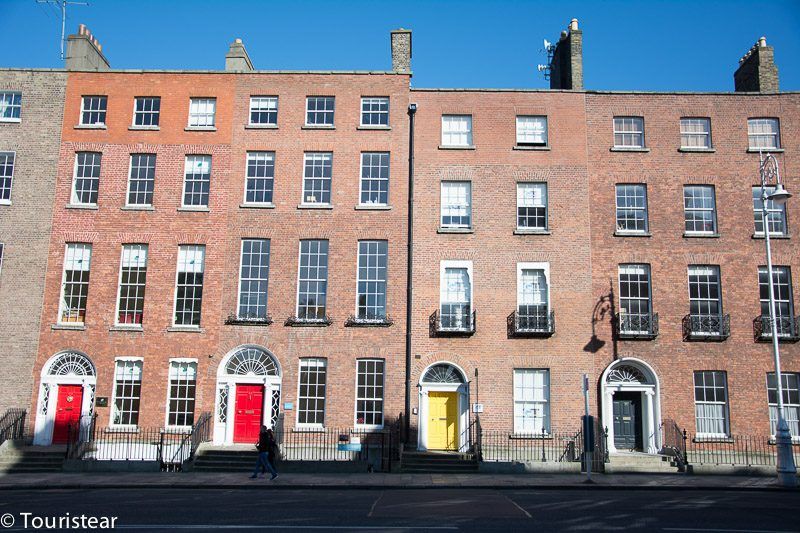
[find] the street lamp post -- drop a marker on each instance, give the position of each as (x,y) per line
(768,169)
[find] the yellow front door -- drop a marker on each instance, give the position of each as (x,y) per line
(442,420)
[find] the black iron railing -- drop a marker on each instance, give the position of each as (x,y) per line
(637,325)
(531,324)
(12,424)
(673,442)
(787,326)
(356,321)
(453,322)
(248,320)
(308,321)
(735,450)
(706,327)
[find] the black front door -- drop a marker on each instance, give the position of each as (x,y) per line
(627,421)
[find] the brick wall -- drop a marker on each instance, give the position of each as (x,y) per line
(25,224)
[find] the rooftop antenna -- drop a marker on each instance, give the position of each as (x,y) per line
(63,5)
(549,49)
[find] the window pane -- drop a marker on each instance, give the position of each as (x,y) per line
(369,392)
(531,401)
(141,179)
(631,208)
(86,180)
(133,276)
(319,110)
(374,178)
(254,279)
(776,214)
(699,209)
(311,398)
(197,180)
(375,111)
(763,133)
(264,110)
(6,175)
(532,206)
(371,282)
(456,204)
(711,402)
(532,130)
(313,280)
(695,133)
(75,283)
(260,177)
(189,290)
(456,130)
(147,111)
(317,178)
(202,112)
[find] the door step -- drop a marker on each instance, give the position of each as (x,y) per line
(640,463)
(439,462)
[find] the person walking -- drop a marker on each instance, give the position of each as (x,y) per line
(263,447)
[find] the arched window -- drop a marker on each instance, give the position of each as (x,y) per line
(442,373)
(627,374)
(251,362)
(71,364)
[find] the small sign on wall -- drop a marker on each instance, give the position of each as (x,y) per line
(477,407)
(288,406)
(101,401)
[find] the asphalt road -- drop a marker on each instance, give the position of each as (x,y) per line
(437,510)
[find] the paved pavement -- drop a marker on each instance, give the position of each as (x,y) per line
(202,480)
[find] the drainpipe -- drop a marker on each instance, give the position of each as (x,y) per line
(412,109)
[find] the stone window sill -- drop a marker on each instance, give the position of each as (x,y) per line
(68,327)
(690,235)
(138,208)
(318,127)
(90,207)
(261,126)
(185,329)
(144,128)
(200,128)
(765,150)
(712,438)
(133,329)
(771,236)
(10,120)
(470,147)
(5,202)
(378,128)
(632,234)
(90,127)
(121,429)
(315,206)
(519,231)
(309,429)
(629,149)
(194,209)
(455,230)
(687,149)
(531,148)
(265,205)
(372,207)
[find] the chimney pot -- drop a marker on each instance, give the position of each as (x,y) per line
(238,41)
(762,42)
(84,51)
(237,57)
(757,71)
(573,24)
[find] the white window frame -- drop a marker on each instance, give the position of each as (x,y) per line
(132,247)
(725,404)
(544,266)
(13,155)
(259,279)
(67,258)
(787,298)
(526,134)
(74,199)
(791,409)
(644,209)
(258,100)
(265,156)
(199,117)
(754,121)
(546,423)
(450,206)
(699,135)
(772,209)
(370,100)
(2,253)
(370,399)
(306,361)
(379,180)
(12,105)
(712,210)
(180,361)
(522,185)
(98,110)
(385,279)
(195,248)
(195,158)
(140,179)
(125,360)
(312,157)
(150,112)
(630,269)
(715,269)
(443,266)
(316,112)
(636,121)
(299,279)
(448,132)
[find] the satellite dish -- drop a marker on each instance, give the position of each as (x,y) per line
(547,44)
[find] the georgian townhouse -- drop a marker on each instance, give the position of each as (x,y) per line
(31,104)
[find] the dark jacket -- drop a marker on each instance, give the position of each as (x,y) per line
(263,442)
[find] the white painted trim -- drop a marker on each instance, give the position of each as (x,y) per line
(533,266)
(445,264)
(355,396)
(298,424)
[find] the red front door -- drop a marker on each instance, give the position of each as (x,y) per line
(68,411)
(247,421)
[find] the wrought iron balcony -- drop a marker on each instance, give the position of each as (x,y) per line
(637,325)
(377,322)
(456,321)
(788,328)
(531,324)
(312,321)
(706,327)
(248,320)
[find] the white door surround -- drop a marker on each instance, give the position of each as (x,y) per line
(69,367)
(443,376)
(246,364)
(633,375)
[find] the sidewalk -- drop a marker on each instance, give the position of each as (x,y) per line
(196,480)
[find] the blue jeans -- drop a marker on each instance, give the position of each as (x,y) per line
(264,464)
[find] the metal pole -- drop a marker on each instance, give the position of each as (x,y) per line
(412,109)
(587,454)
(787,472)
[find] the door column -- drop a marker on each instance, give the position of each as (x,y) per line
(608,418)
(650,437)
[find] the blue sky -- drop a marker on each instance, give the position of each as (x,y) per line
(655,45)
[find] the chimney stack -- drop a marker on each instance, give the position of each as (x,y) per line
(84,52)
(237,58)
(566,67)
(757,71)
(401,51)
